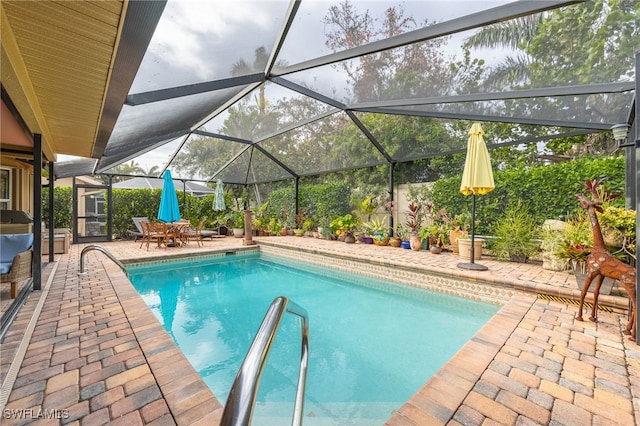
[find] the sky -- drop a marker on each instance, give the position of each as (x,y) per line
(200,40)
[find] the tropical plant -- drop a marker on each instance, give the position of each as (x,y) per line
(402,232)
(619,230)
(375,225)
(235,219)
(258,224)
(576,240)
(274,226)
(366,208)
(517,234)
(309,224)
(544,50)
(300,217)
(461,222)
(346,224)
(438,233)
(414,217)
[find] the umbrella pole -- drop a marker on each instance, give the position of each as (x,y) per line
(472,265)
(473,228)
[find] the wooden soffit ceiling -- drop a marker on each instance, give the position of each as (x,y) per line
(57,59)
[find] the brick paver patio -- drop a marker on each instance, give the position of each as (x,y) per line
(93,353)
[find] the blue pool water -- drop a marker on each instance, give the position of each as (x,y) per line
(372,343)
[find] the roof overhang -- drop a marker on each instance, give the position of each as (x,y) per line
(58,60)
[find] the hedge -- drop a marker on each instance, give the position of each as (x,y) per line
(548,191)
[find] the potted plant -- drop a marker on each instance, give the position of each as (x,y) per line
(260,220)
(286,221)
(574,247)
(516,235)
(365,208)
(309,226)
(460,225)
(552,239)
(619,232)
(403,233)
(377,228)
(368,229)
(300,217)
(464,247)
(222,224)
(413,222)
(344,227)
(274,226)
(258,225)
(576,240)
(435,235)
(236,221)
(399,236)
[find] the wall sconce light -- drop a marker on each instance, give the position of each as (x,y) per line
(620,134)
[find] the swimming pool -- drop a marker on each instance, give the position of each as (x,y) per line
(372,343)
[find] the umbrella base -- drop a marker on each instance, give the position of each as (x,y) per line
(472,266)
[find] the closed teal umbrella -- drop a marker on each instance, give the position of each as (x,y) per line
(169,210)
(218,201)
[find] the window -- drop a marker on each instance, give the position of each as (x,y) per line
(5,189)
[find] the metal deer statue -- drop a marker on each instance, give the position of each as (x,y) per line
(601,263)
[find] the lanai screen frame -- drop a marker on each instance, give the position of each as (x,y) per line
(226,92)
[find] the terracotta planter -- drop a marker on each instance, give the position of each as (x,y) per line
(453,238)
(395,241)
(349,239)
(464,248)
(415,242)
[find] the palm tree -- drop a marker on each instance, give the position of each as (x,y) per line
(259,63)
(514,35)
(242,67)
(127,169)
(152,171)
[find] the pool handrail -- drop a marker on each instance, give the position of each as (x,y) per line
(238,410)
(103,250)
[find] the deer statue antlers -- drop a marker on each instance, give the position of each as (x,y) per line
(600,262)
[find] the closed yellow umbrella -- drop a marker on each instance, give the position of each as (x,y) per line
(477,179)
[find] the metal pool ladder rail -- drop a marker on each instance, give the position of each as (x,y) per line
(103,250)
(238,410)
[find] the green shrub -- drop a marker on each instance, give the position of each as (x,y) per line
(516,233)
(548,192)
(62,207)
(322,202)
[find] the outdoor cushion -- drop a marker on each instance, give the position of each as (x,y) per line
(136,222)
(10,246)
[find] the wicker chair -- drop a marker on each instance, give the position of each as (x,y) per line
(20,269)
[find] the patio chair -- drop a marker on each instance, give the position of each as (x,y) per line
(193,234)
(153,232)
(16,255)
(136,221)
